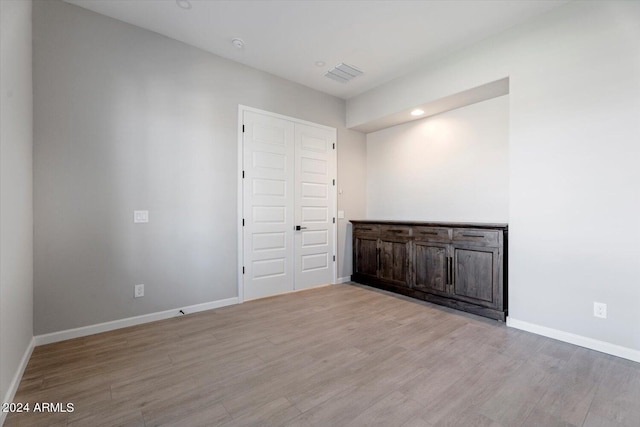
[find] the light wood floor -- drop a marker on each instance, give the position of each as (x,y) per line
(342,355)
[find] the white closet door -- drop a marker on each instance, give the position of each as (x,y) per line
(314,206)
(289,168)
(268,205)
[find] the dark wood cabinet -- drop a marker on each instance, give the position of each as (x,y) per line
(366,250)
(382,253)
(393,246)
(476,277)
(458,265)
(431,266)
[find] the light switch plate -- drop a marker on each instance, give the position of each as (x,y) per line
(340,214)
(140,216)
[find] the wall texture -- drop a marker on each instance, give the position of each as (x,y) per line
(127,119)
(16,207)
(352,181)
(574,199)
(449,167)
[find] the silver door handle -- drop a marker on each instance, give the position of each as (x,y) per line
(298,228)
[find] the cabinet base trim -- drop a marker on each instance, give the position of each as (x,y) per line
(579,340)
(447,302)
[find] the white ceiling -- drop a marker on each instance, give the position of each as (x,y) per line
(385,39)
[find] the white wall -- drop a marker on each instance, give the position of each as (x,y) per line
(574,200)
(16,209)
(352,181)
(449,167)
(127,119)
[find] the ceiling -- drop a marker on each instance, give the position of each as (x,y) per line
(385,39)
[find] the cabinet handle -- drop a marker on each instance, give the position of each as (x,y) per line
(433,233)
(363,228)
(448,268)
(473,235)
(396,231)
(451,270)
(378,258)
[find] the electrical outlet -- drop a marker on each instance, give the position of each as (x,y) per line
(138,291)
(600,310)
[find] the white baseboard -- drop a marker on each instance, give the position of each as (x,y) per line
(344,279)
(130,321)
(15,382)
(590,343)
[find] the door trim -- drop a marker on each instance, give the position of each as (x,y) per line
(240,207)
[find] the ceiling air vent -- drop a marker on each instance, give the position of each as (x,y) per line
(343,73)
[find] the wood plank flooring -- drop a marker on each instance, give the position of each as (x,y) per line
(342,355)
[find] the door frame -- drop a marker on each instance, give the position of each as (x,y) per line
(240,208)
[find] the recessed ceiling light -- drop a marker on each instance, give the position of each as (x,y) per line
(417,112)
(185,4)
(237,42)
(320,63)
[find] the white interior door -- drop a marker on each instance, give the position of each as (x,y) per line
(314,206)
(289,172)
(267,205)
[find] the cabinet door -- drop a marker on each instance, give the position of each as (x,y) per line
(366,255)
(477,275)
(431,267)
(394,258)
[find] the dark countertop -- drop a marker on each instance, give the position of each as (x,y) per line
(501,226)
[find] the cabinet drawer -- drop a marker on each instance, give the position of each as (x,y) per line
(366,229)
(395,230)
(431,233)
(471,235)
